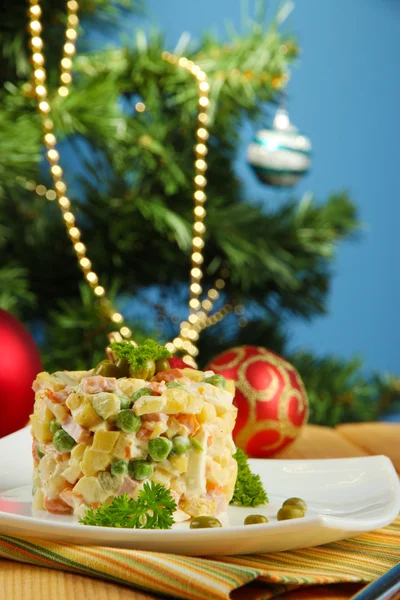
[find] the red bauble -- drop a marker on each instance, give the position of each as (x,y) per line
(19,364)
(270,397)
(175,362)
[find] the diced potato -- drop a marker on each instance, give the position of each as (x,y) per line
(82,411)
(49,381)
(90,489)
(193,374)
(47,467)
(149,404)
(230,386)
(214,471)
(59,411)
(55,485)
(208,413)
(94,461)
(125,448)
(38,500)
(42,412)
(105,404)
(196,506)
(180,463)
(78,451)
(72,473)
(221,399)
(181,401)
(130,386)
(227,420)
(75,401)
(177,484)
(41,429)
(105,441)
(159,428)
(161,476)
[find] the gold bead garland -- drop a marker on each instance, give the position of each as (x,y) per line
(50,141)
(199,318)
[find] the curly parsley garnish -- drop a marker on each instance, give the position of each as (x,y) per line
(152,510)
(137,356)
(249,490)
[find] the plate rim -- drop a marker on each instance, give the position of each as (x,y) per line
(326,521)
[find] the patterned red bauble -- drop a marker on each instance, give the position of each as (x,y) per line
(270,397)
(19,364)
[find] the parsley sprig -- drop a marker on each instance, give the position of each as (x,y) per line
(137,356)
(249,490)
(152,510)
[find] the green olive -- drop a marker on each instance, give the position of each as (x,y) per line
(146,373)
(162,364)
(255,519)
(123,367)
(204,522)
(106,368)
(295,502)
(290,512)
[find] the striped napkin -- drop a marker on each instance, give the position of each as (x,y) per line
(252,577)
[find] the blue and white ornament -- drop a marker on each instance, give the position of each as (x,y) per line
(280,156)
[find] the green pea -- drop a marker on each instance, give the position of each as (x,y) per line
(196,444)
(146,373)
(123,367)
(124,402)
(106,368)
(38,450)
(180,444)
(295,502)
(127,421)
(290,512)
(159,448)
(217,380)
(144,391)
(174,384)
(162,364)
(255,519)
(62,441)
(54,425)
(140,469)
(203,522)
(108,482)
(119,467)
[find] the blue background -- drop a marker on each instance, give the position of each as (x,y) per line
(343,94)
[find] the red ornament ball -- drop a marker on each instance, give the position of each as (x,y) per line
(270,397)
(19,364)
(175,362)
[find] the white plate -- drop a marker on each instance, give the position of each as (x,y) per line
(345,497)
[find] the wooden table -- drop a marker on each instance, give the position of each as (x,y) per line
(26,582)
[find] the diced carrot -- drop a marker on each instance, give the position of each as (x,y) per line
(95,504)
(156,388)
(168,375)
(57,397)
(213,487)
(209,440)
(143,434)
(56,506)
(127,450)
(190,422)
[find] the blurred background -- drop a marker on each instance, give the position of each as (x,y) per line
(304,258)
